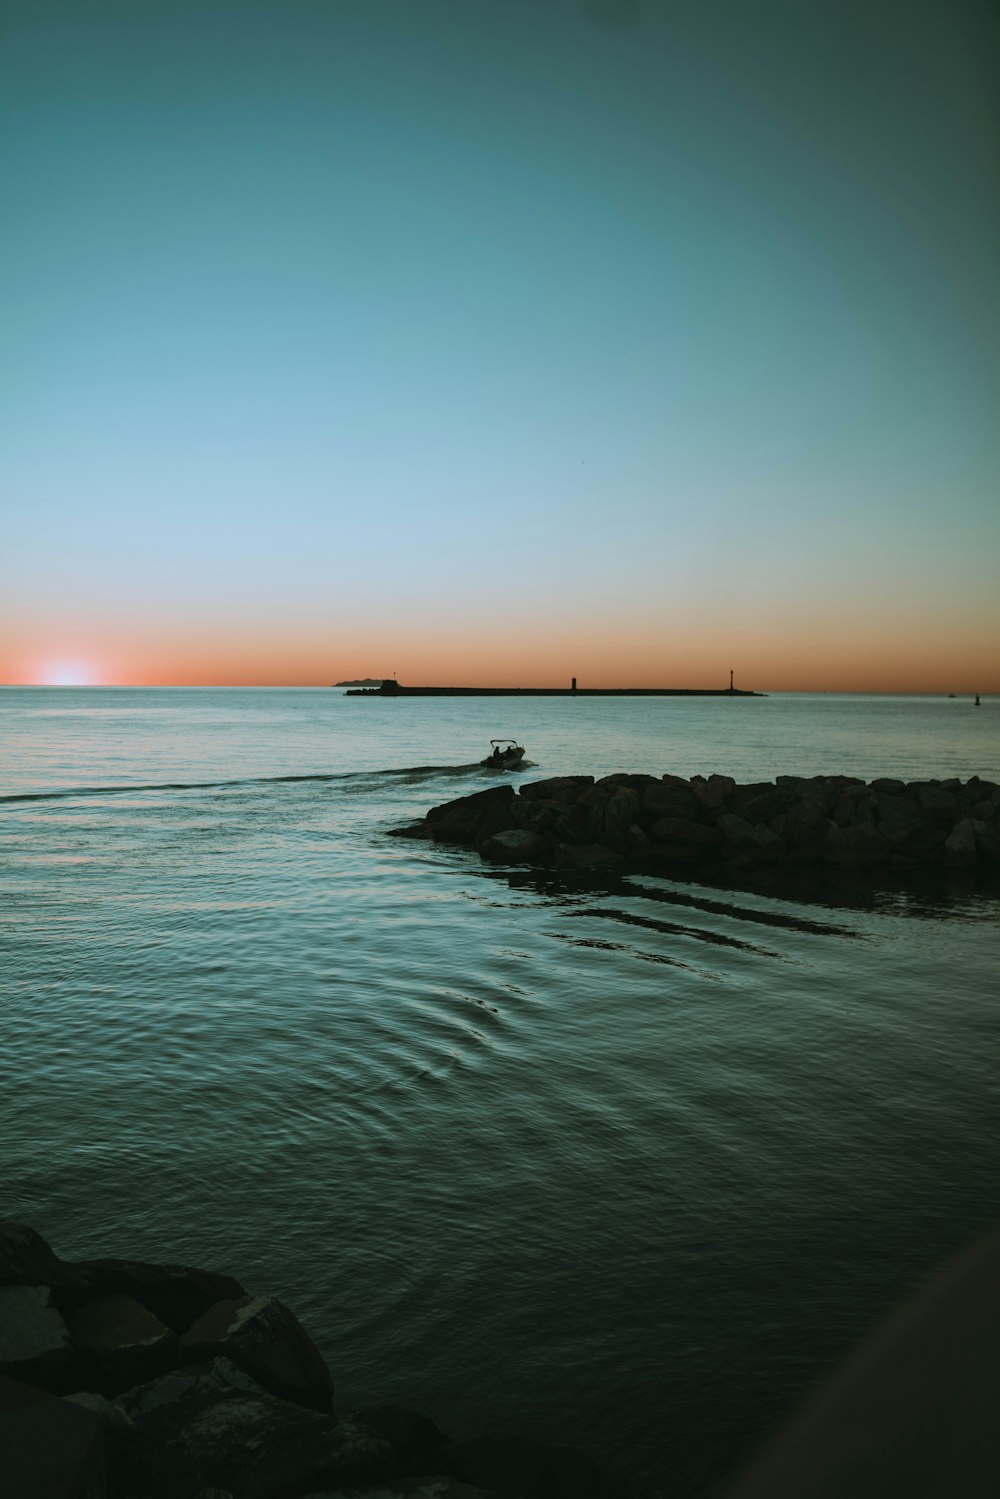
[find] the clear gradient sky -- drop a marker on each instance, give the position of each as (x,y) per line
(501,341)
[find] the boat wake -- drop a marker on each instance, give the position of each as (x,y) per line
(361,778)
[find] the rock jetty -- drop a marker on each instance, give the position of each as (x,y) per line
(121,1379)
(713,826)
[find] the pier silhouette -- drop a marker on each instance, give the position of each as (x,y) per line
(390,687)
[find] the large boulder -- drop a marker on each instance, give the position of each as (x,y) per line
(620,812)
(537,816)
(51,1448)
(854,805)
(554,822)
(185,1384)
(267,1341)
(667,799)
(960,846)
(767,805)
(561,789)
(746,792)
(798,825)
(253,1447)
(988,841)
(764,846)
(612,808)
(938,802)
(682,830)
(27,1260)
(471,818)
(895,816)
(857,847)
(714,792)
(34,1340)
(804,843)
(925,844)
(756,844)
(889,785)
(175,1294)
(636,782)
(514,846)
(118,1432)
(735,830)
(120,1343)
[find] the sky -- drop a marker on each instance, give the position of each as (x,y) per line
(501,341)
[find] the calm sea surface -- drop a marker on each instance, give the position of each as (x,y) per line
(623,1163)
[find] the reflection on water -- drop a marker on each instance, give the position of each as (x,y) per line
(786,896)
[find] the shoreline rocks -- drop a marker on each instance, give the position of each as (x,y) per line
(715,826)
(122,1379)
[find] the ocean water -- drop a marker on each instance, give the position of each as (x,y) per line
(620,1162)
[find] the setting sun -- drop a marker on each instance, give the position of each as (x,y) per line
(68,674)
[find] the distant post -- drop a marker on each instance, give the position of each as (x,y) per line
(573,688)
(731,680)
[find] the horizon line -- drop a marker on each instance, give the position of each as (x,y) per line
(512,691)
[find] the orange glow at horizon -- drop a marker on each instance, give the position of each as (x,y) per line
(792,641)
(779,655)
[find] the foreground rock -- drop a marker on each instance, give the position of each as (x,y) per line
(714,826)
(121,1379)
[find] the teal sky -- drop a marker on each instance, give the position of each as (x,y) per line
(336,332)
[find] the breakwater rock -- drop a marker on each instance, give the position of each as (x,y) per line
(121,1379)
(714,826)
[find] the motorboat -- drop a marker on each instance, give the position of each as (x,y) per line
(505,754)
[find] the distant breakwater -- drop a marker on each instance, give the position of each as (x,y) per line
(713,826)
(121,1378)
(396,689)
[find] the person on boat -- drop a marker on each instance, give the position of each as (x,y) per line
(497,756)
